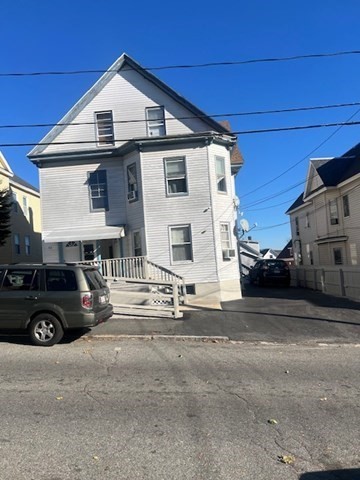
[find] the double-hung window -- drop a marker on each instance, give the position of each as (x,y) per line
(25,206)
(15,204)
(346,206)
(181,247)
(98,190)
(297,229)
(137,244)
(27,245)
(338,256)
(132,183)
(225,236)
(334,216)
(175,174)
(104,128)
(17,243)
(220,174)
(155,121)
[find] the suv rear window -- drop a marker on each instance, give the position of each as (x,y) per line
(94,279)
(60,280)
(276,263)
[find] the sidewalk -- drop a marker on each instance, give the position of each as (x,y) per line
(281,315)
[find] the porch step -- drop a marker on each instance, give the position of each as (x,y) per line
(145,311)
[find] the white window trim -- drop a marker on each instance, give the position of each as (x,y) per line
(185,176)
(179,262)
(229,247)
(134,246)
(222,192)
(336,219)
(17,243)
(27,245)
(155,123)
(102,209)
(112,135)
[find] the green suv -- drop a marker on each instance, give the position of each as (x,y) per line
(47,299)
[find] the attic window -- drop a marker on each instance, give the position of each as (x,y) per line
(155,121)
(104,128)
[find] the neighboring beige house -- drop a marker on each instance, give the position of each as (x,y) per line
(325,218)
(24,244)
(136,170)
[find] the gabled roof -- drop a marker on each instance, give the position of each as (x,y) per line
(333,171)
(5,167)
(20,181)
(119,64)
(298,202)
(236,157)
(286,252)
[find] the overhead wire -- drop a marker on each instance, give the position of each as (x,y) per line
(190,66)
(189,117)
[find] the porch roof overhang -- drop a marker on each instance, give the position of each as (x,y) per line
(84,233)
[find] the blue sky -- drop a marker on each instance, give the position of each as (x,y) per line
(45,35)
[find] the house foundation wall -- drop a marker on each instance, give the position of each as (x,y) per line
(212,294)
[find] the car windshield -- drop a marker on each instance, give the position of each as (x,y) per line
(94,279)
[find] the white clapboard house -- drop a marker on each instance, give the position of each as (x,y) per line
(139,180)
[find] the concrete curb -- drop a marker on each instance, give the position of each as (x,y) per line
(194,338)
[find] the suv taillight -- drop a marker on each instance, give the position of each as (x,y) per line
(87,300)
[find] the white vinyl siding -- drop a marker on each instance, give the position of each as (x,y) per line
(75,177)
(104,128)
(175,176)
(133,95)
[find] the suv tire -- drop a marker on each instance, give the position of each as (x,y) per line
(45,330)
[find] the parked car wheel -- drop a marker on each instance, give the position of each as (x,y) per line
(45,330)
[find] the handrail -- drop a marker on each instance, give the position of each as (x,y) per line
(140,268)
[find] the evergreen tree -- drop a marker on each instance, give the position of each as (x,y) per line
(5,212)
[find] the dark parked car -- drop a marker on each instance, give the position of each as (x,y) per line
(47,299)
(270,271)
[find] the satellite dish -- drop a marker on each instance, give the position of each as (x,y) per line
(244,224)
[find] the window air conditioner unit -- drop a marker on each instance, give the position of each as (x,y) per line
(228,253)
(132,195)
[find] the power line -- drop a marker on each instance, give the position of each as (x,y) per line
(240,132)
(216,115)
(303,158)
(190,66)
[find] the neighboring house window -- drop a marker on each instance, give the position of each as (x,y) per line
(132,182)
(297,230)
(15,202)
(104,128)
(175,174)
(98,190)
(17,243)
(25,206)
(181,247)
(155,120)
(346,206)
(137,244)
(338,256)
(71,244)
(311,257)
(334,216)
(220,174)
(307,220)
(27,245)
(225,236)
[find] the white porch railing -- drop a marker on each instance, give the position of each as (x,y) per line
(141,269)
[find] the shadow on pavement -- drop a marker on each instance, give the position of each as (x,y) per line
(348,474)
(20,337)
(296,293)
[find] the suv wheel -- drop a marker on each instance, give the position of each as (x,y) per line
(45,330)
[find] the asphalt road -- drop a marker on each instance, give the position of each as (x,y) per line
(178,410)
